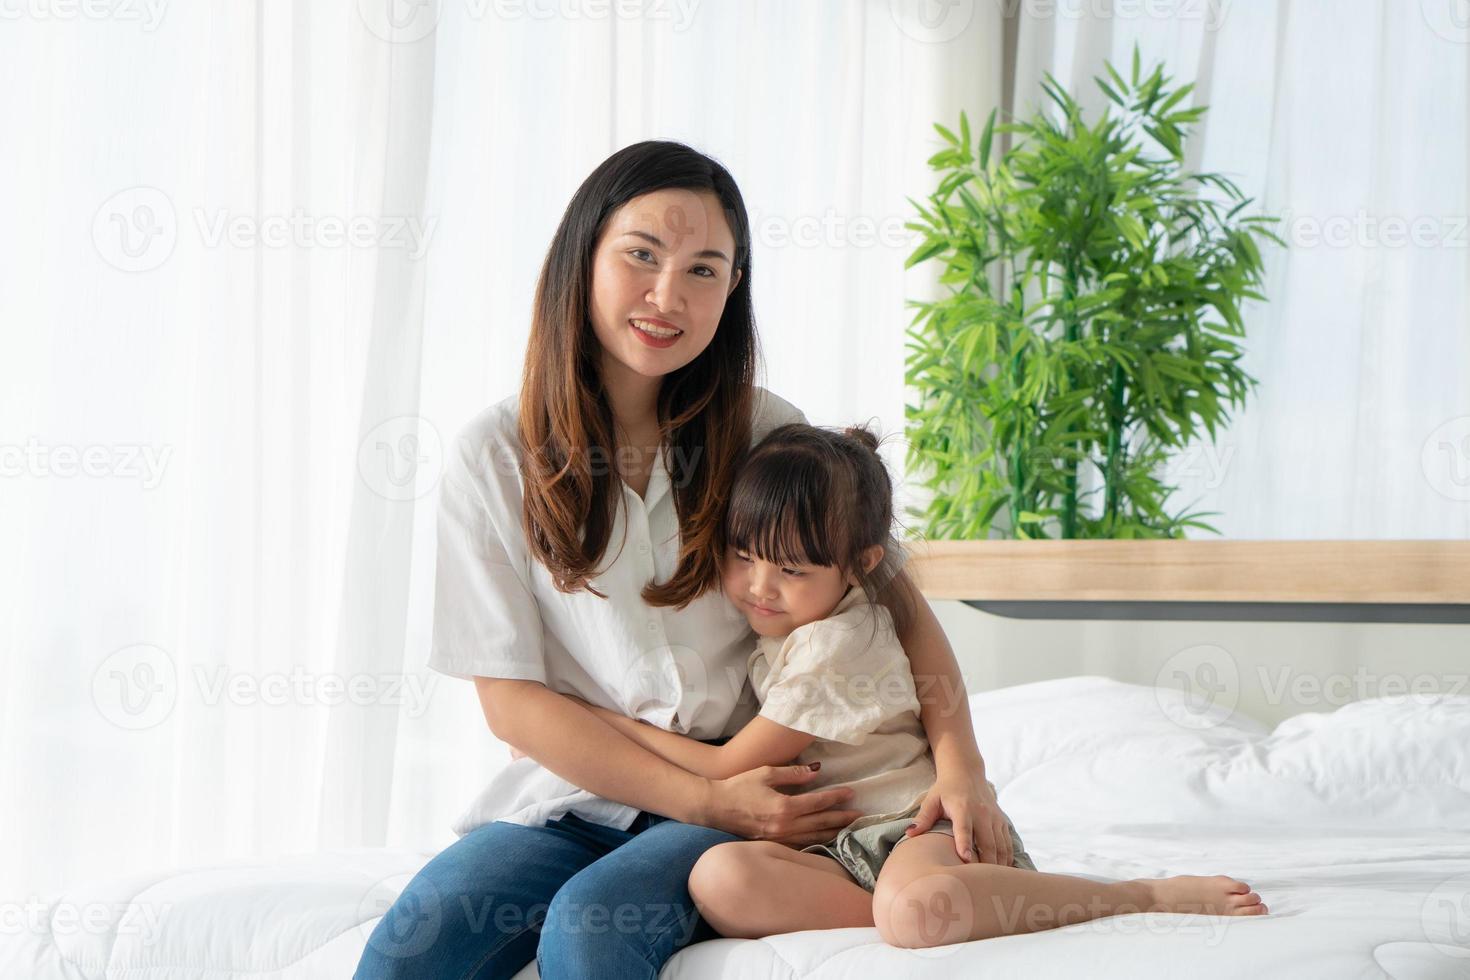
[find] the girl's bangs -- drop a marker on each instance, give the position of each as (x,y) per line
(778,514)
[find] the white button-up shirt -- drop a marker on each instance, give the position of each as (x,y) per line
(497,614)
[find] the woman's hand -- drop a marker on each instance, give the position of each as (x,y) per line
(966,798)
(750,806)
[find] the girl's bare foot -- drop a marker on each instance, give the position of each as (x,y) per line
(1203,894)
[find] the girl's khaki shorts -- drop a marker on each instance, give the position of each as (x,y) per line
(863,845)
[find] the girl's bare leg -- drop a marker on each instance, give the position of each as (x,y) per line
(926,896)
(753,889)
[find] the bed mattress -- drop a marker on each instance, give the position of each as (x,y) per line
(1354,826)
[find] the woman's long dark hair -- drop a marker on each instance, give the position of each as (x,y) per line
(566,424)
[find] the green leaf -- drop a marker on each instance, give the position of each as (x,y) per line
(985,138)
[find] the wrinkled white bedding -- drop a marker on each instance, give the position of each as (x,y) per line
(1353,826)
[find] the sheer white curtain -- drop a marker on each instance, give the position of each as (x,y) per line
(1350,120)
(262,261)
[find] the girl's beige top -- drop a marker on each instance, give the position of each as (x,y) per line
(846,680)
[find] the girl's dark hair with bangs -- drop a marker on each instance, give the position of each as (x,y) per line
(813,496)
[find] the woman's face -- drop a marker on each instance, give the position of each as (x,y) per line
(660,276)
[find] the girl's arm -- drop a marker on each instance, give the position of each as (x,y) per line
(762,742)
(558,733)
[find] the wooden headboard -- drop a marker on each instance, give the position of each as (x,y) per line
(1383,581)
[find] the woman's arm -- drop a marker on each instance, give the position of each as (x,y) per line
(557,731)
(762,742)
(944,708)
(961,792)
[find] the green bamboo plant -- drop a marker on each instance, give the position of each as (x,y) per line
(1092,318)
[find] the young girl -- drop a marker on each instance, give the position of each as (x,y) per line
(807,551)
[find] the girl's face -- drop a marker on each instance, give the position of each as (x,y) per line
(777,599)
(664,263)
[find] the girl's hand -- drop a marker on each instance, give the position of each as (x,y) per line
(967,799)
(750,806)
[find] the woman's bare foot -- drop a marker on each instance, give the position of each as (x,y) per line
(1203,894)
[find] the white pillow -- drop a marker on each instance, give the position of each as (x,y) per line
(1094,750)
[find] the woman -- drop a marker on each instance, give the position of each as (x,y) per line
(578,559)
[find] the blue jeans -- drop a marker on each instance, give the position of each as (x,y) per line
(583,899)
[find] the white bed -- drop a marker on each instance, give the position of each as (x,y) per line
(1353,826)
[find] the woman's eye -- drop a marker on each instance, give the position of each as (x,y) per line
(707,269)
(638,252)
(744,558)
(792,572)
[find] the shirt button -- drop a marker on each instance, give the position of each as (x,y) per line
(652,626)
(643,548)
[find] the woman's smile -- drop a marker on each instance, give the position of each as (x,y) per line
(655,333)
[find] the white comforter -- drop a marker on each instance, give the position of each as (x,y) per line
(1353,826)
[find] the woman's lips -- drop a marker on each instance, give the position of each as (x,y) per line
(653,340)
(763,611)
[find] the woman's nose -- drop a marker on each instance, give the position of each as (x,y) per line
(664,293)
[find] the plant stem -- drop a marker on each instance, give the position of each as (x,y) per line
(1074,333)
(1115,449)
(1018,456)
